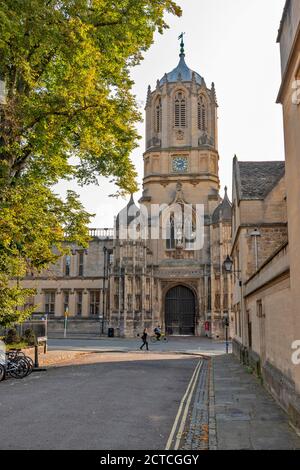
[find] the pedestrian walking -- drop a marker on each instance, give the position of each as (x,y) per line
(144,339)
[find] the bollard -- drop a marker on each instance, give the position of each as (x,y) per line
(37,367)
(36,356)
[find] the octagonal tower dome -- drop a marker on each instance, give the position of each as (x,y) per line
(182,72)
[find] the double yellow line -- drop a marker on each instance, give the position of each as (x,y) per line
(181,417)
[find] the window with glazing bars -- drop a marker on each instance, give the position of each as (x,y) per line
(94,302)
(180,110)
(80,263)
(66,301)
(50,303)
(202,114)
(79,303)
(158,116)
(67,265)
(170,242)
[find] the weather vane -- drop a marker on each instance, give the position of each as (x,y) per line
(181,44)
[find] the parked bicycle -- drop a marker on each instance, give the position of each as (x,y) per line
(163,338)
(2,372)
(17,365)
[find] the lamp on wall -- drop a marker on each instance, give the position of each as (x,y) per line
(228,264)
(228,268)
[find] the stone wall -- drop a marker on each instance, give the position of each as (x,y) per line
(289,38)
(76,328)
(278,384)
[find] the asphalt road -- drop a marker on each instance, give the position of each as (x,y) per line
(121,405)
(190,344)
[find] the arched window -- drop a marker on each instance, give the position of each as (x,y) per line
(171,233)
(158,115)
(202,114)
(180,110)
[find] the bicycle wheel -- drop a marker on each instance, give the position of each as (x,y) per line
(30,364)
(153,339)
(165,339)
(2,372)
(18,368)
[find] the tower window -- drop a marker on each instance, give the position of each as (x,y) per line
(158,116)
(202,114)
(170,245)
(180,110)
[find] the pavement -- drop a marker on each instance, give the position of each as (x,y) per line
(232,411)
(246,415)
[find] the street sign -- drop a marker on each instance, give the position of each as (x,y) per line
(66,322)
(41,339)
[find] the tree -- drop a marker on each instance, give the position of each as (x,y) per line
(69,112)
(35,225)
(66,67)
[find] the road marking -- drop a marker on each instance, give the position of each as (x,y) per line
(187,406)
(189,394)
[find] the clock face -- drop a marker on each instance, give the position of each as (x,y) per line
(180,164)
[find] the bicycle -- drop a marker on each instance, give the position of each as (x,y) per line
(18,365)
(163,338)
(2,372)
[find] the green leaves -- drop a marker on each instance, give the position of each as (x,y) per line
(69,113)
(66,68)
(35,225)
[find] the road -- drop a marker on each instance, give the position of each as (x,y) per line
(190,344)
(121,405)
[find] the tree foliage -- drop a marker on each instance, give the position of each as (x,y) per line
(35,225)
(69,112)
(66,66)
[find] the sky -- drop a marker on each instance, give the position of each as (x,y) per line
(233,44)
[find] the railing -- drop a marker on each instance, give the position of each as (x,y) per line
(101,233)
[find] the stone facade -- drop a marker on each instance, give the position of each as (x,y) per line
(180,167)
(259,228)
(266,300)
(289,40)
(76,284)
(160,280)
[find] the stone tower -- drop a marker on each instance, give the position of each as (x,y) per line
(163,279)
(181,136)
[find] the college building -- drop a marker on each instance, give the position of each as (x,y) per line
(173,277)
(266,244)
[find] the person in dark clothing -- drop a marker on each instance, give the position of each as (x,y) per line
(157,332)
(144,339)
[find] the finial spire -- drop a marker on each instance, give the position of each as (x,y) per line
(181,45)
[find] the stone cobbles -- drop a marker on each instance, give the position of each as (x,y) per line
(196,437)
(212,411)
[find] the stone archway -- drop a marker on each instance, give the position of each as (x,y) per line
(180,311)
